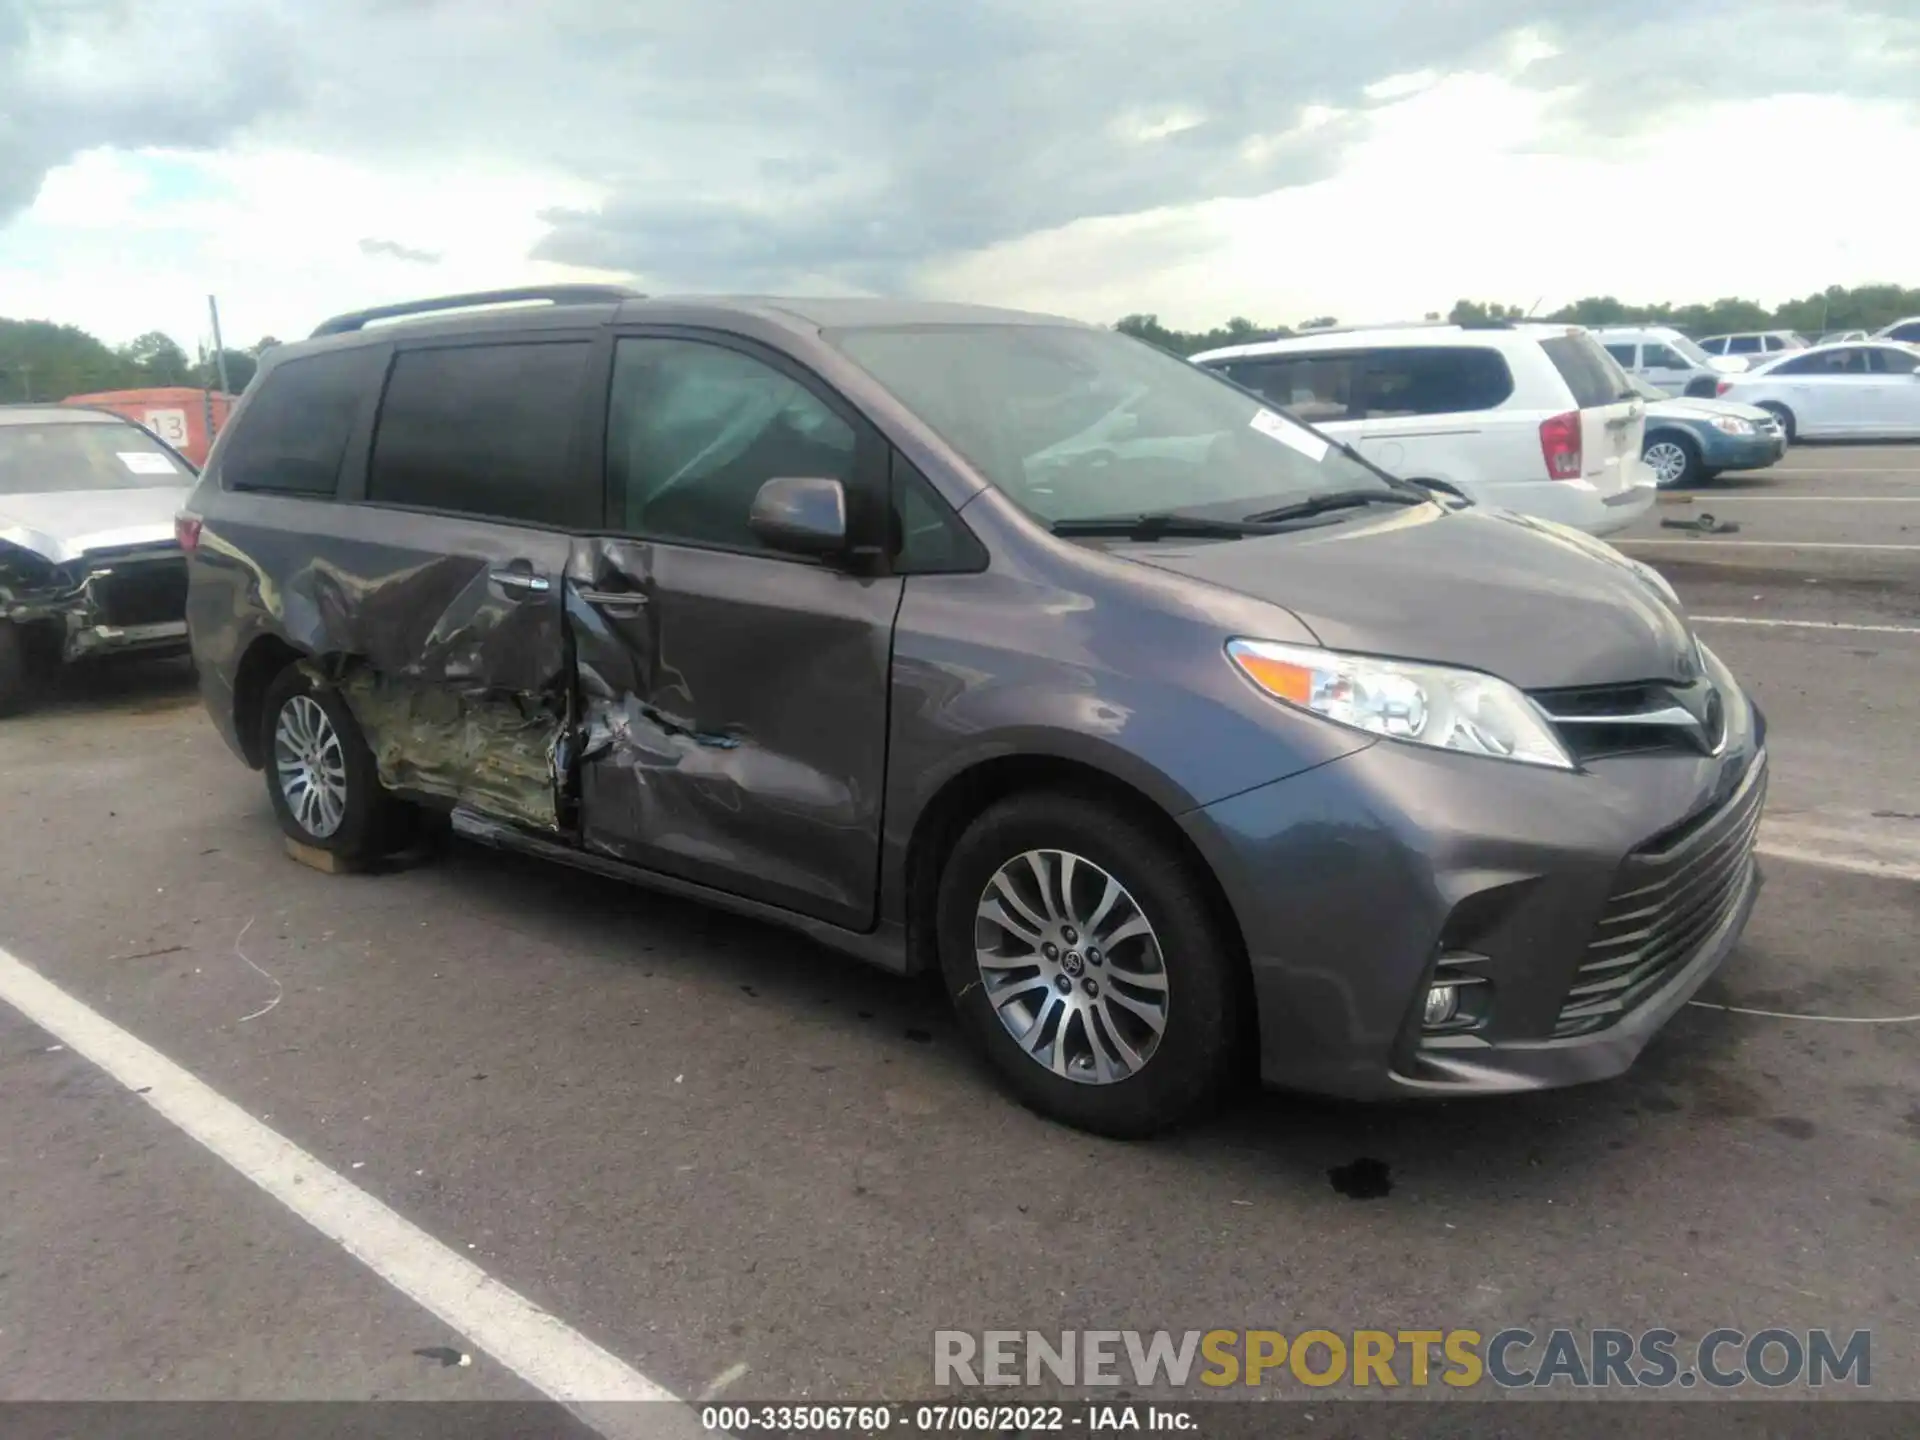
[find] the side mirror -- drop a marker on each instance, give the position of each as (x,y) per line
(801,516)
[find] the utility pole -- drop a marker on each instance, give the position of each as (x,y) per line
(26,381)
(220,361)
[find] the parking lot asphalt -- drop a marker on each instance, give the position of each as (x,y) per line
(744,1166)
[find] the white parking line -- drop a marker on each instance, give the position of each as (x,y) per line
(1806,624)
(1714,542)
(1735,498)
(1837,470)
(544,1351)
(1835,842)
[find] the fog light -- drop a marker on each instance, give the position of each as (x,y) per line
(1443,1003)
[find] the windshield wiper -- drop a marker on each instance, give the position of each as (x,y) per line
(1333,500)
(1157,525)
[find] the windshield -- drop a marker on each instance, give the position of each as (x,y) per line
(1075,424)
(1690,349)
(66,457)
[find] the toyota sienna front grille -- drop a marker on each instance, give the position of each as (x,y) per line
(1671,897)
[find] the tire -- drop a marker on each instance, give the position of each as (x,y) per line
(13,668)
(1674,457)
(365,819)
(1784,416)
(1182,1073)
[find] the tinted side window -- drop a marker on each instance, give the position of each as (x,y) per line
(694,430)
(294,432)
(1589,373)
(1909,332)
(1313,388)
(1440,381)
(1659,357)
(485,430)
(1624,354)
(1802,365)
(1744,345)
(1885,360)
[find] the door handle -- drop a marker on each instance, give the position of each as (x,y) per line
(616,603)
(521,582)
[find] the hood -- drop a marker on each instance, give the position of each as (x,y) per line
(1702,408)
(64,525)
(1536,603)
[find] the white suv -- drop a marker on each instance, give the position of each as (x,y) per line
(1534,418)
(1666,359)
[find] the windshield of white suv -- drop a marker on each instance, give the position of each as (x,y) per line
(1075,424)
(67,457)
(1689,349)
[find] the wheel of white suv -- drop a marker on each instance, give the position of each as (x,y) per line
(1084,959)
(321,777)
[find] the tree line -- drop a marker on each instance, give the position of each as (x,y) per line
(40,360)
(1864,307)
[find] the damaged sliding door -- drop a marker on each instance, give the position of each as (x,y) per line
(449,643)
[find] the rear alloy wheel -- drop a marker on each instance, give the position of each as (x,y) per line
(1674,460)
(1083,957)
(321,777)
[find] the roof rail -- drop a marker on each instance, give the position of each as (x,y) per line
(553,294)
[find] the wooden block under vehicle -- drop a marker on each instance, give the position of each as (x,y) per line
(325,861)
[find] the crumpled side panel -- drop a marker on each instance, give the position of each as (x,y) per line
(496,751)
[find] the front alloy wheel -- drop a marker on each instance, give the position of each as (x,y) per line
(1071,966)
(1671,461)
(1089,959)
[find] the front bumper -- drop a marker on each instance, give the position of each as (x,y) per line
(1353,881)
(1720,451)
(119,602)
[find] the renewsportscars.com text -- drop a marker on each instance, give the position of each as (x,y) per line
(1512,1358)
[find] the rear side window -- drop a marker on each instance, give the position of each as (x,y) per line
(485,430)
(1886,360)
(1380,384)
(293,433)
(1744,345)
(1624,354)
(1590,374)
(1313,388)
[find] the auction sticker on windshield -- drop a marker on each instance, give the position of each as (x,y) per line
(145,462)
(1289,434)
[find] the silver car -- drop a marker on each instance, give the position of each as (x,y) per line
(89,562)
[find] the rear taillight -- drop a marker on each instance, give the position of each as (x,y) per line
(186,530)
(1560,444)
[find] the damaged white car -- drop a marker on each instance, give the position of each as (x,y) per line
(89,562)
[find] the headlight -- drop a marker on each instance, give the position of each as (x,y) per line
(1425,704)
(1732,425)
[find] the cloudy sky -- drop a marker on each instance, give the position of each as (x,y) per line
(1369,159)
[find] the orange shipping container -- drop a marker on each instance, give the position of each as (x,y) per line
(177,414)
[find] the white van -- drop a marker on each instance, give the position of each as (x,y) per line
(1534,418)
(1666,359)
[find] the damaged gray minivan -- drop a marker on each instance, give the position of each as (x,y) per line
(89,563)
(1171,734)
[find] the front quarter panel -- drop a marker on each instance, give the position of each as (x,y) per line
(1088,659)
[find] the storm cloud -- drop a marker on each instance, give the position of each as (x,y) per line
(746,144)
